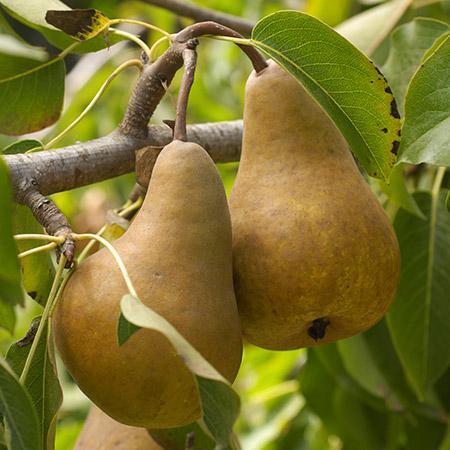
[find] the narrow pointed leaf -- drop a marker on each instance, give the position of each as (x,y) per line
(10,290)
(419,319)
(220,403)
(18,411)
(344,82)
(7,316)
(37,269)
(409,42)
(42,384)
(363,29)
(427,110)
(360,363)
(22,146)
(398,193)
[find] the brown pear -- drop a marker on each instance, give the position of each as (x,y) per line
(178,255)
(101,432)
(315,257)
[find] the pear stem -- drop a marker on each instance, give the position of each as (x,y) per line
(106,83)
(115,255)
(39,237)
(214,29)
(44,318)
(42,248)
(190,64)
(145,48)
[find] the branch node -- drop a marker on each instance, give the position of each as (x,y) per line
(48,215)
(152,85)
(31,333)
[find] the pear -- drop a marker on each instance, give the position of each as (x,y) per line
(100,432)
(315,258)
(178,255)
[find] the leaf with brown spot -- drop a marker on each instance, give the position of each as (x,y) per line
(346,84)
(82,24)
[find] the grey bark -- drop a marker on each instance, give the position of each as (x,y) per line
(112,155)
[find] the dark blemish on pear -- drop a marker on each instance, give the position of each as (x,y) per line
(318,328)
(388,90)
(384,130)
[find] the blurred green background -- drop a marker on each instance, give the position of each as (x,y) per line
(276,410)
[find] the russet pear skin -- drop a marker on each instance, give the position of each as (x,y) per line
(101,432)
(178,255)
(315,258)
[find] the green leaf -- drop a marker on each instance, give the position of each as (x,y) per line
(424,434)
(442,389)
(33,14)
(18,411)
(427,110)
(220,403)
(277,423)
(360,363)
(175,438)
(398,193)
(389,365)
(365,28)
(42,384)
(37,269)
(22,146)
(331,360)
(331,395)
(7,317)
(34,98)
(419,319)
(14,47)
(331,13)
(125,329)
(318,387)
(10,290)
(344,82)
(360,427)
(445,444)
(409,43)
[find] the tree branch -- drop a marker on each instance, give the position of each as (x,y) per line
(150,89)
(200,14)
(113,155)
(48,215)
(215,29)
